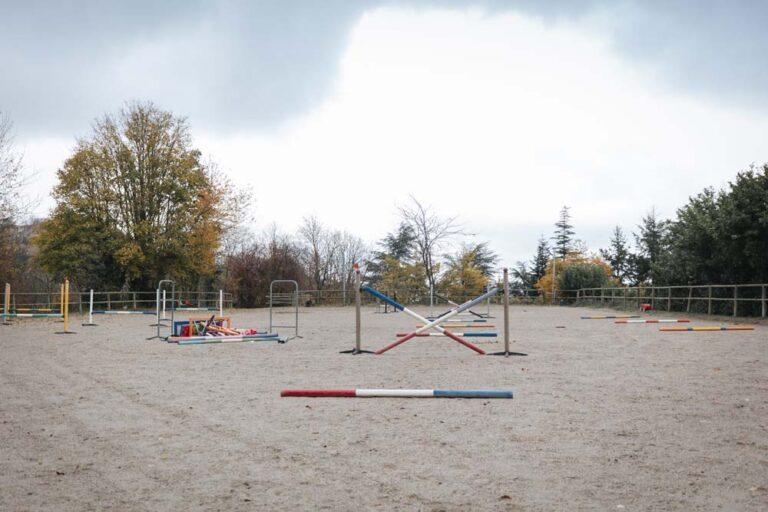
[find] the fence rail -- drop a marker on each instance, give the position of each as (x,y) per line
(113,300)
(734,300)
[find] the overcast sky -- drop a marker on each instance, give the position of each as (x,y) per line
(498,112)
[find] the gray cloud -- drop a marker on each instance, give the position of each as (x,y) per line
(236,64)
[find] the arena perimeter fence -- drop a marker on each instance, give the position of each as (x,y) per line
(745,300)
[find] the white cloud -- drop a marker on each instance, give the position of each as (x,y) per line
(498,119)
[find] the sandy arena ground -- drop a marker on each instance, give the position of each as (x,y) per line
(605,417)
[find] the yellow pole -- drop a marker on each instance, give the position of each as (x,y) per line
(65,301)
(65,307)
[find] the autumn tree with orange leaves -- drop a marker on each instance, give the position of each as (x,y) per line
(136,203)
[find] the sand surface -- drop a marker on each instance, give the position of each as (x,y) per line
(605,417)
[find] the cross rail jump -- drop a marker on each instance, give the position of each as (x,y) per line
(435,324)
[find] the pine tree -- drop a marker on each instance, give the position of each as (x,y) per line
(540,260)
(618,255)
(564,234)
(398,250)
(650,242)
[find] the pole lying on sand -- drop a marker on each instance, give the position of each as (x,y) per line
(464,326)
(708,328)
(397,393)
(202,340)
(462,334)
(435,324)
(612,317)
(655,321)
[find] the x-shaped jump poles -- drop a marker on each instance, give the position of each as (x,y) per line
(454,305)
(435,324)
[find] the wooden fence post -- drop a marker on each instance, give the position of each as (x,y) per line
(735,299)
(669,298)
(709,301)
(690,292)
(764,302)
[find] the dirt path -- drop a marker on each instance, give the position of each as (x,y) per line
(606,417)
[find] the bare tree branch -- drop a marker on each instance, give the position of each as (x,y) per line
(432,232)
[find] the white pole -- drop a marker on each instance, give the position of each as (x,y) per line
(157,304)
(343,281)
(554,275)
(163,304)
(431,299)
(221,302)
(90,310)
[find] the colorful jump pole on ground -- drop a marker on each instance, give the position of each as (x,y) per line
(462,334)
(202,340)
(708,328)
(654,321)
(463,326)
(612,317)
(65,307)
(435,324)
(397,393)
(122,312)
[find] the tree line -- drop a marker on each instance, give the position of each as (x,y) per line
(135,203)
(717,237)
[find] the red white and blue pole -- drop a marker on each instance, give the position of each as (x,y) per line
(397,393)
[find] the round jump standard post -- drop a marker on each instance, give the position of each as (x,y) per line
(6,303)
(90,311)
(158,324)
(358,325)
(65,307)
(506,352)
